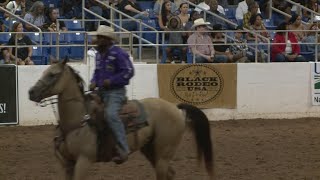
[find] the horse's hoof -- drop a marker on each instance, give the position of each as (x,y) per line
(120,160)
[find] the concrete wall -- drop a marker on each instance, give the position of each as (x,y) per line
(273,90)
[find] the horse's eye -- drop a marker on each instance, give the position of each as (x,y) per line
(51,75)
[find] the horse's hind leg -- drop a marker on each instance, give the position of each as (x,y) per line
(81,168)
(163,170)
(69,170)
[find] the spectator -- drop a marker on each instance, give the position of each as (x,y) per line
(285,51)
(184,13)
(193,16)
(5,56)
(221,48)
(216,20)
(257,27)
(253,10)
(312,5)
(175,38)
(23,56)
(206,6)
(243,9)
(131,8)
(17,7)
(35,16)
(201,46)
(295,24)
(158,4)
(51,21)
(165,15)
(258,36)
(239,48)
(312,40)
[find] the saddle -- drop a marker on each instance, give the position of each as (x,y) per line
(132,115)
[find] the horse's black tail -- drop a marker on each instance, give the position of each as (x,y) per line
(201,130)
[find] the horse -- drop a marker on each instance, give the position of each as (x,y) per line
(158,141)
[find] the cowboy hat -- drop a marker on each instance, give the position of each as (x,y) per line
(104,30)
(199,22)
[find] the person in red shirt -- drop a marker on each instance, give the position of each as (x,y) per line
(285,51)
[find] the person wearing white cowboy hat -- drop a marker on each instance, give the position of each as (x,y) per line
(201,46)
(200,22)
(104,30)
(113,72)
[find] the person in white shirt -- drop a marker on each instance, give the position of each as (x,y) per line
(243,8)
(16,7)
(205,5)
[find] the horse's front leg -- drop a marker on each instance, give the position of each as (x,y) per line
(68,166)
(81,168)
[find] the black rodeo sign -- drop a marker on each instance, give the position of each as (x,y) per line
(197,84)
(8,95)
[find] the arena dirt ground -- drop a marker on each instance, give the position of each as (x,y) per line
(244,150)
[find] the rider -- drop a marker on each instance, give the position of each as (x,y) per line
(113,71)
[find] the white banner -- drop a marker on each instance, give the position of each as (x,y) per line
(315,84)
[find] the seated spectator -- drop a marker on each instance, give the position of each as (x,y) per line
(23,56)
(165,15)
(239,48)
(219,39)
(285,51)
(213,19)
(35,16)
(312,40)
(253,10)
(258,38)
(175,38)
(193,16)
(4,55)
(158,4)
(201,46)
(131,8)
(51,21)
(17,7)
(295,23)
(184,13)
(257,27)
(205,5)
(312,5)
(242,9)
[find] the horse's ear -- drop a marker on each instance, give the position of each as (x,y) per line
(53,60)
(66,59)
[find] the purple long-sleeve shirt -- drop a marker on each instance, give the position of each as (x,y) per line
(115,65)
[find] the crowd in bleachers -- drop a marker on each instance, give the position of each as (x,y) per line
(251,27)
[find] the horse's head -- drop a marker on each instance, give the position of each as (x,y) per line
(53,81)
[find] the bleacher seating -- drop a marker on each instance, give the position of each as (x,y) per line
(35,37)
(74,25)
(37,56)
(230,12)
(144,5)
(4,38)
(269,24)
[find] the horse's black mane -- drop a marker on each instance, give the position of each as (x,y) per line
(79,79)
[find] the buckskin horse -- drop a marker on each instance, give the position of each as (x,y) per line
(77,147)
